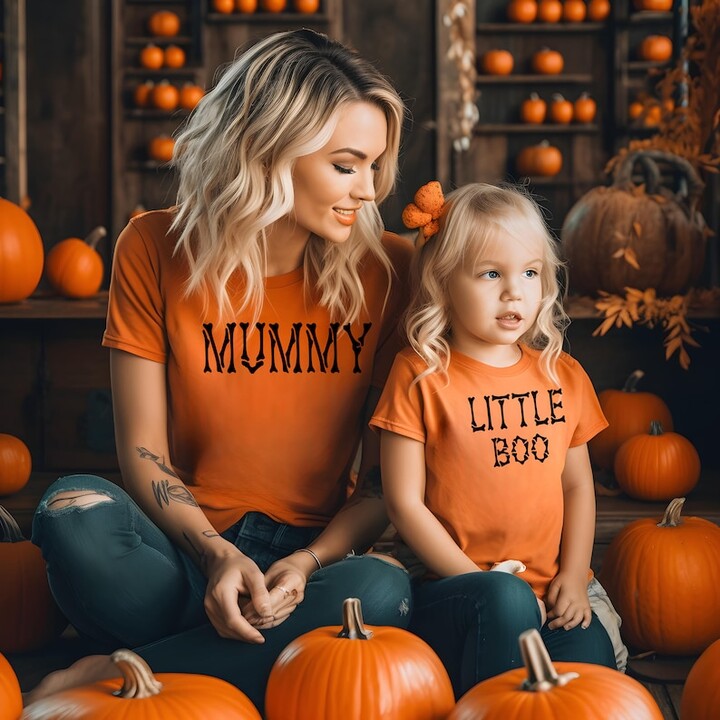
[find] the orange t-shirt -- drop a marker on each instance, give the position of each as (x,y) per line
(264,418)
(495,446)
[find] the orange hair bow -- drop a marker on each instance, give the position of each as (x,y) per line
(425,211)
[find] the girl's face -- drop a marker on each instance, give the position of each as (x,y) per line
(495,298)
(332,183)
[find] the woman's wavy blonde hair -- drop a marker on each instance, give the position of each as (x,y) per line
(278,100)
(476,214)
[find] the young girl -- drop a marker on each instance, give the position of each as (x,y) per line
(250,329)
(484,426)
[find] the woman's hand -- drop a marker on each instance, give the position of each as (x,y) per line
(234,580)
(567,602)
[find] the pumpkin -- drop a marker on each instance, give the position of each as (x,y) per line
(306,7)
(655,48)
(522,11)
(561,110)
(190,96)
(654,5)
(164,23)
(497,62)
(246,6)
(584,109)
(15,464)
(152,57)
(223,6)
(549,11)
(165,96)
(356,672)
(547,62)
(142,92)
(542,159)
(273,6)
(635,109)
(29,619)
(665,230)
(657,465)
(74,267)
(662,580)
(628,413)
(598,10)
(561,691)
(10,696)
(574,11)
(701,693)
(21,253)
(160,148)
(533,109)
(140,694)
(174,57)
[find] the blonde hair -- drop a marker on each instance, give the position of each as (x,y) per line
(276,102)
(477,213)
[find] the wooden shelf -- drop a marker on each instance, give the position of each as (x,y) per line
(648,17)
(52,307)
(536,27)
(273,18)
(644,65)
(533,129)
(144,40)
(144,114)
(187,71)
(533,79)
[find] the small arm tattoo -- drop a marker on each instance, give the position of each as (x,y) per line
(199,552)
(164,492)
(370,485)
(146,454)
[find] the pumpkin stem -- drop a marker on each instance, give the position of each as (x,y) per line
(656,427)
(9,529)
(542,675)
(353,627)
(671,518)
(138,680)
(633,380)
(95,236)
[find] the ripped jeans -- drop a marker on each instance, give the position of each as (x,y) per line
(121,581)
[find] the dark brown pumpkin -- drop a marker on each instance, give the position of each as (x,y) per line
(664,229)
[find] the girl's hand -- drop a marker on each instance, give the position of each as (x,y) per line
(568,603)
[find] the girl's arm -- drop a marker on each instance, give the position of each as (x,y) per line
(567,599)
(403,473)
(141,433)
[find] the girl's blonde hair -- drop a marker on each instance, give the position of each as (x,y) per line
(277,101)
(476,214)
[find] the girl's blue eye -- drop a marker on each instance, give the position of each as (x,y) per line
(531,273)
(344,170)
(492,274)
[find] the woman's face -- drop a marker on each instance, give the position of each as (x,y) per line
(332,183)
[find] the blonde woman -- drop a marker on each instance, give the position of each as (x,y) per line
(484,422)
(250,329)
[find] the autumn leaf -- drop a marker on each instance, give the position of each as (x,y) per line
(637,227)
(620,252)
(631,258)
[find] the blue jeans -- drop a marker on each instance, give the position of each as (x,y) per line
(473,621)
(121,581)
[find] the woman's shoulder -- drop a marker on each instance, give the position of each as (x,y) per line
(150,232)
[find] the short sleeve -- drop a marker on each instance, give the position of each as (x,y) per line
(591,419)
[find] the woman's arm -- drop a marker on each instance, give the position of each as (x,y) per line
(567,597)
(141,433)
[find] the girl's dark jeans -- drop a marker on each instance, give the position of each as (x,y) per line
(120,581)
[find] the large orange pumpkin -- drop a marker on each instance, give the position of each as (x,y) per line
(664,228)
(701,694)
(10,697)
(655,48)
(561,691)
(522,11)
(165,23)
(662,578)
(543,159)
(15,464)
(547,62)
(657,465)
(139,695)
(75,267)
(29,618)
(628,412)
(497,62)
(355,672)
(21,253)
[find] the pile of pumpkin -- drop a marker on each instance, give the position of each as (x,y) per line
(73,267)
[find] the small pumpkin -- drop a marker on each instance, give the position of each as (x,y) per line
(140,694)
(701,693)
(629,412)
(29,619)
(657,465)
(543,159)
(574,11)
(21,253)
(662,579)
(655,48)
(306,7)
(246,6)
(533,109)
(160,148)
(635,109)
(164,23)
(15,464)
(561,691)
(497,62)
(584,109)
(165,96)
(152,57)
(522,11)
(273,6)
(190,95)
(654,5)
(356,672)
(174,57)
(598,10)
(74,267)
(142,92)
(561,110)
(547,62)
(549,11)
(223,6)
(10,696)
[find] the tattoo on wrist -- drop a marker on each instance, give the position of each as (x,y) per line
(164,492)
(199,552)
(146,454)
(370,485)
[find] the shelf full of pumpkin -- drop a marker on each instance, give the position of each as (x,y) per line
(262,10)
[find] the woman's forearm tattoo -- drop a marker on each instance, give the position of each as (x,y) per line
(199,552)
(164,492)
(146,454)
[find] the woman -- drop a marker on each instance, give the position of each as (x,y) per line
(250,329)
